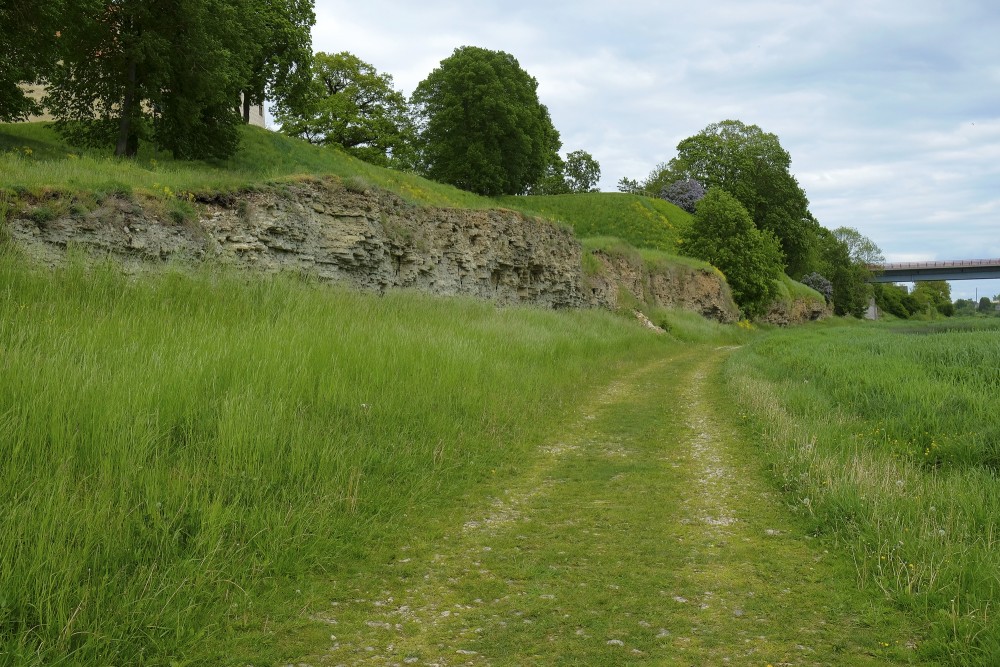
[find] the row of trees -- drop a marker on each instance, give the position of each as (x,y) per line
(182,73)
(752,219)
(475,122)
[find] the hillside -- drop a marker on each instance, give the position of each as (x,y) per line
(54,185)
(644,222)
(33,157)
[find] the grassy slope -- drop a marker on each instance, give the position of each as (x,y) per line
(33,158)
(643,222)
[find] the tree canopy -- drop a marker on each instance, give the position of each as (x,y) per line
(723,234)
(119,72)
(29,43)
(751,166)
(843,257)
(351,105)
(481,126)
(280,51)
(579,172)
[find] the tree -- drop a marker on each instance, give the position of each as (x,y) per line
(351,105)
(724,235)
(629,186)
(934,296)
(850,279)
(751,166)
(579,172)
(481,126)
(965,307)
(582,172)
(29,37)
(279,52)
(170,70)
(893,299)
(985,305)
(861,249)
(685,193)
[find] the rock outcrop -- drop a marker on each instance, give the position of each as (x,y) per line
(372,239)
(700,290)
(798,311)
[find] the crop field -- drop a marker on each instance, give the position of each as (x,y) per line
(181,453)
(887,439)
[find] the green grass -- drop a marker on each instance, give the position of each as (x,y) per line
(34,158)
(887,438)
(183,455)
(643,222)
(641,534)
(789,290)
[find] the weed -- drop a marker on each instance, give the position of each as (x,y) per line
(357,185)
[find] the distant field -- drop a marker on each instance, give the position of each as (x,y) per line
(888,438)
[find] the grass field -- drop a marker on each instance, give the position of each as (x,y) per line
(182,452)
(887,438)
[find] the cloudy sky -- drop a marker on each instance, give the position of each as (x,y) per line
(890,109)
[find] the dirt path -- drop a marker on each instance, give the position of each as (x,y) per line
(647,535)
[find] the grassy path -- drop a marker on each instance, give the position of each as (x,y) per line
(646,535)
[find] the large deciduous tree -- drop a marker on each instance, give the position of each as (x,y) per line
(844,256)
(723,234)
(279,51)
(167,70)
(579,172)
(29,40)
(351,105)
(752,166)
(481,126)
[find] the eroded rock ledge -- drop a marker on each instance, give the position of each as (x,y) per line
(374,240)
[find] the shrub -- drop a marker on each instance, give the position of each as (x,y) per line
(820,284)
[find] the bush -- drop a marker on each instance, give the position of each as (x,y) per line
(820,284)
(685,194)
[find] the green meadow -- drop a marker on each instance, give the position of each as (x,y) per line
(886,440)
(180,451)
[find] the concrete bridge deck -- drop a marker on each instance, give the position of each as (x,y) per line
(960,269)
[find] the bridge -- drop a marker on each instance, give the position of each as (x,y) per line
(911,272)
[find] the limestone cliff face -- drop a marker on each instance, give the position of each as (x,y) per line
(373,240)
(675,286)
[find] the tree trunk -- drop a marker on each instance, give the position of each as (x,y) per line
(127,145)
(246,108)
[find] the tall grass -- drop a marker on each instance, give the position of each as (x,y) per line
(889,439)
(177,450)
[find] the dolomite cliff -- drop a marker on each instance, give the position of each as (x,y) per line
(374,240)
